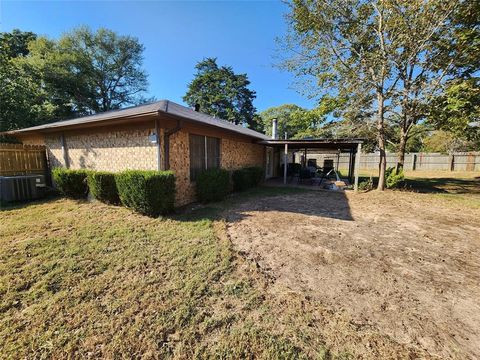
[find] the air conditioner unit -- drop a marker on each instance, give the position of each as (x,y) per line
(21,188)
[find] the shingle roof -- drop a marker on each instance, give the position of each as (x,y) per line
(162,106)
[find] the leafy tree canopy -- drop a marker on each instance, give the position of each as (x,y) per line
(219,92)
(458,106)
(83,72)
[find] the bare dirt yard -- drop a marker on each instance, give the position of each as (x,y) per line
(401,264)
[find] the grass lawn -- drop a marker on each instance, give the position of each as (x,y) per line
(81,279)
(457,186)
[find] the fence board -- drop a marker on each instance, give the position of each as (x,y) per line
(461,161)
(18,159)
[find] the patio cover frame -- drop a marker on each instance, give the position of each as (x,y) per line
(354,146)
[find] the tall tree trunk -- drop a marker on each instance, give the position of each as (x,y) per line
(401,150)
(381,142)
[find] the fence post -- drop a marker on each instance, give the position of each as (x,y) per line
(451,160)
(414,162)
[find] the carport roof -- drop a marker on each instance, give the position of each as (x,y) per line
(315,143)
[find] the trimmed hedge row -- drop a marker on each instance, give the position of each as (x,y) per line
(213,185)
(147,192)
(71,183)
(103,187)
(151,192)
(246,178)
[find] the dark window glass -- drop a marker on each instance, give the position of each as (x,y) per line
(204,154)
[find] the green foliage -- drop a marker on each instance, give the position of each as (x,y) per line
(147,192)
(297,122)
(15,43)
(213,185)
(256,174)
(221,93)
(456,107)
(445,142)
(23,97)
(71,183)
(103,187)
(247,177)
(286,123)
(366,185)
(394,179)
(81,73)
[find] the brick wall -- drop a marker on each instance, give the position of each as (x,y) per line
(236,154)
(180,164)
(109,151)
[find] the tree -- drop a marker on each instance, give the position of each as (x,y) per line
(23,99)
(446,142)
(286,122)
(456,108)
(459,103)
(82,73)
(15,43)
(422,30)
(219,92)
(94,72)
(343,46)
(390,56)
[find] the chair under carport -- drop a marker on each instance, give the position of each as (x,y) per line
(349,149)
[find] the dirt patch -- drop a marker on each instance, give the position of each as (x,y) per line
(401,264)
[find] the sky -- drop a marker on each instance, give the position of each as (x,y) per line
(177,35)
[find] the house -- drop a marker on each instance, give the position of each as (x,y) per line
(164,136)
(158,136)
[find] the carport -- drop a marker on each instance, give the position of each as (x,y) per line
(347,147)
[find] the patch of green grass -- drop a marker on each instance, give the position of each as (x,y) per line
(81,279)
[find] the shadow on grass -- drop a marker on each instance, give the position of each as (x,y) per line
(445,185)
(336,207)
(5,206)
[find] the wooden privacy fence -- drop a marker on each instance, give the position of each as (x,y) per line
(18,159)
(460,161)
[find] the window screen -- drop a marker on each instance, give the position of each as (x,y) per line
(204,154)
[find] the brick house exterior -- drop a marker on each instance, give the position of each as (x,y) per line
(148,137)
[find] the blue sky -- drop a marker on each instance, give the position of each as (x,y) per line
(176,36)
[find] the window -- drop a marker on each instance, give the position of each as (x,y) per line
(204,154)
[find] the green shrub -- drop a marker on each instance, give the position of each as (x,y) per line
(103,187)
(247,177)
(240,180)
(256,175)
(394,180)
(71,183)
(147,192)
(366,185)
(213,185)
